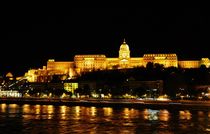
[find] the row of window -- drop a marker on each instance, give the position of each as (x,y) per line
(159,55)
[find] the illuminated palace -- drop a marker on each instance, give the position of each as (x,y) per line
(84,63)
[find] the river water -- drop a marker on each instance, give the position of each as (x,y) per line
(49,119)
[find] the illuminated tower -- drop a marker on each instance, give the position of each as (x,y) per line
(124,52)
(124,55)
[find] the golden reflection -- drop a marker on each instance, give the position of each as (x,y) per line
(44,109)
(132,111)
(77,111)
(37,109)
(185,115)
(26,108)
(13,105)
(209,114)
(129,113)
(3,107)
(126,113)
(50,111)
(93,111)
(145,114)
(63,109)
(108,111)
(13,108)
(63,112)
(164,115)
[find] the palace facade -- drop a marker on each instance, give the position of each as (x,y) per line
(87,63)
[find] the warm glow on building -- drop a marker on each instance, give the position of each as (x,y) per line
(10,93)
(70,87)
(87,63)
(58,67)
(189,64)
(84,63)
(205,61)
(167,60)
(31,75)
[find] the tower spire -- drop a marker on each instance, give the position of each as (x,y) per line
(124,42)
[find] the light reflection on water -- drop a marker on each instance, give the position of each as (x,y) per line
(185,115)
(79,119)
(63,112)
(107,111)
(163,115)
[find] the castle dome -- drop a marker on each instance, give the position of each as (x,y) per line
(124,46)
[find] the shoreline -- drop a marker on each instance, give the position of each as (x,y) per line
(130,103)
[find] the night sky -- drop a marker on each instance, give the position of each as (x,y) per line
(30,38)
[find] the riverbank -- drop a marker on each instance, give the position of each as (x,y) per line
(181,104)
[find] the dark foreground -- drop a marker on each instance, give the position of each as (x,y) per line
(181,104)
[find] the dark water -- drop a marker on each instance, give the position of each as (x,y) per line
(44,119)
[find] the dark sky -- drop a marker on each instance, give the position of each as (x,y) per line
(30,38)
